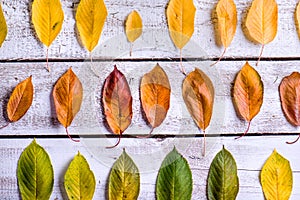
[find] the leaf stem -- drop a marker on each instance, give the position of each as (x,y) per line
(222,55)
(71,136)
(91,57)
(249,123)
(261,51)
(118,142)
(204,144)
(294,140)
(47,59)
(130,51)
(5,125)
(146,136)
(181,65)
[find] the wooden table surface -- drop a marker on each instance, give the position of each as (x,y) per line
(22,55)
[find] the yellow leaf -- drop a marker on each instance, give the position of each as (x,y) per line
(133,26)
(297,18)
(90,18)
(276,178)
(180,15)
(3,27)
(47,18)
(261,22)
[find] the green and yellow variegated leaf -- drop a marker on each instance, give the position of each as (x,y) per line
(276,178)
(47,18)
(174,180)
(222,182)
(35,173)
(90,18)
(79,179)
(124,179)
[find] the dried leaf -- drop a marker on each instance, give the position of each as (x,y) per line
(79,179)
(117,102)
(289,91)
(90,19)
(124,179)
(3,27)
(133,26)
(155,95)
(20,100)
(226,15)
(261,22)
(297,18)
(174,179)
(223,182)
(248,92)
(67,96)
(35,173)
(276,178)
(180,16)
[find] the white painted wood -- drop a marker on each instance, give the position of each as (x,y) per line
(21,42)
(41,117)
(250,154)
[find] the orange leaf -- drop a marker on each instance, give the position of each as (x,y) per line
(297,18)
(20,100)
(67,95)
(117,102)
(248,93)
(289,91)
(155,95)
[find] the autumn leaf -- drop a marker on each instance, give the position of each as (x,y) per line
(198,95)
(124,179)
(180,17)
(222,181)
(155,96)
(174,179)
(248,92)
(117,103)
(261,22)
(133,27)
(289,90)
(276,177)
(226,23)
(90,19)
(67,96)
(79,180)
(20,100)
(3,27)
(35,173)
(47,18)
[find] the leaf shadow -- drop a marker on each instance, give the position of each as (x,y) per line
(5,100)
(53,119)
(76,31)
(107,184)
(243,24)
(61,180)
(237,112)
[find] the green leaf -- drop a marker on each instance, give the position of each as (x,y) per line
(124,179)
(35,173)
(174,180)
(223,182)
(277,178)
(79,179)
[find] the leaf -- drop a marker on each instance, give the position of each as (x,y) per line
(3,27)
(180,17)
(67,96)
(155,95)
(20,100)
(248,92)
(225,27)
(289,90)
(261,22)
(90,19)
(35,173)
(223,182)
(276,177)
(117,102)
(124,179)
(133,26)
(79,179)
(297,18)
(174,179)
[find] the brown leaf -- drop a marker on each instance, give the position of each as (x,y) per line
(67,95)
(20,100)
(248,93)
(117,102)
(155,95)
(289,90)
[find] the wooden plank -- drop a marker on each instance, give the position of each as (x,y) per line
(250,154)
(41,117)
(21,42)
